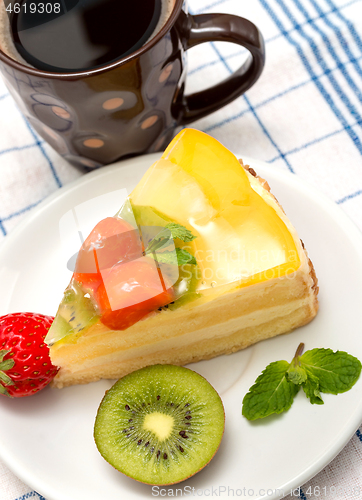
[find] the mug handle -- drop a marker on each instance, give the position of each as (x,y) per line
(222,28)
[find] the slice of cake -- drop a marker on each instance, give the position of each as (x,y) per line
(200,261)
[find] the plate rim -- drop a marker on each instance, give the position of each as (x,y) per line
(297,183)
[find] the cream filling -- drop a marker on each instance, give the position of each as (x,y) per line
(208,333)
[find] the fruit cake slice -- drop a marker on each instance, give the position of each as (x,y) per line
(200,261)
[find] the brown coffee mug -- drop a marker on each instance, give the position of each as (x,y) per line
(95,117)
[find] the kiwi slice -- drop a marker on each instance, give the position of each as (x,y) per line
(142,215)
(76,313)
(160,425)
(186,286)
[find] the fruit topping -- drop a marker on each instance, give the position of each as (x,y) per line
(111,242)
(76,313)
(132,291)
(123,272)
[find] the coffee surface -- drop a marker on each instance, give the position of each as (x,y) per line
(77,35)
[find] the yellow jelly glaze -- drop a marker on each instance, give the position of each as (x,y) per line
(201,185)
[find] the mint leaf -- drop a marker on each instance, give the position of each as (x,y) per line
(271,393)
(184,257)
(296,374)
(170,231)
(311,389)
(179,257)
(336,371)
(317,370)
(299,376)
(180,232)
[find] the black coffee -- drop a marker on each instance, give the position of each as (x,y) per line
(77,35)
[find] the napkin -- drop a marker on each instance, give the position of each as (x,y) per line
(304,116)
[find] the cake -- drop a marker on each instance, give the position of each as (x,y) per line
(200,261)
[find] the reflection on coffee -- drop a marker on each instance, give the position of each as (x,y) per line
(78,35)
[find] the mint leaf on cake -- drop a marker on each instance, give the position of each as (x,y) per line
(180,232)
(178,257)
(170,232)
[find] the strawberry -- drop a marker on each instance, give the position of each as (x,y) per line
(25,366)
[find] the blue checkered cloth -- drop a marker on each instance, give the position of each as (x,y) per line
(303,116)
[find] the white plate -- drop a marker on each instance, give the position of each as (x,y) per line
(47,439)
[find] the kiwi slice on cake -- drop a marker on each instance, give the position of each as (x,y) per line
(76,313)
(160,425)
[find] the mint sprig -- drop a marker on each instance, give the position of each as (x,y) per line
(317,370)
(171,232)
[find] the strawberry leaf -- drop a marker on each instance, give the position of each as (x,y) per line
(5,378)
(5,364)
(4,391)
(3,353)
